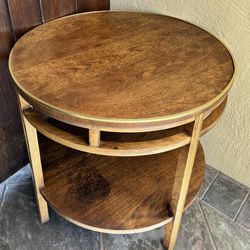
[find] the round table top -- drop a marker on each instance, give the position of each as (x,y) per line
(121,68)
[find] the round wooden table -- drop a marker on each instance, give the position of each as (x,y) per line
(120,101)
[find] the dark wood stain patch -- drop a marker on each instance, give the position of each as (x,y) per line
(89,185)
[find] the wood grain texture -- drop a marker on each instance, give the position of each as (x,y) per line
(115,66)
(35,161)
(94,138)
(92,5)
(211,120)
(113,144)
(214,117)
(25,14)
(13,153)
(52,9)
(182,181)
(113,194)
(120,144)
(32,143)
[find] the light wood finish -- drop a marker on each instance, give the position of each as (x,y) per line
(115,144)
(167,234)
(211,120)
(113,194)
(120,144)
(16,18)
(179,174)
(183,176)
(120,84)
(103,79)
(23,105)
(35,161)
(94,137)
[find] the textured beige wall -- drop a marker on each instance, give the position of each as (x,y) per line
(227,146)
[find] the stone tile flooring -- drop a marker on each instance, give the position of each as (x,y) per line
(218,219)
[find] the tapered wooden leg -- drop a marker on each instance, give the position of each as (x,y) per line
(35,161)
(167,235)
(181,184)
(176,192)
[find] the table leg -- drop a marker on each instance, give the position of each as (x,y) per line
(35,161)
(181,184)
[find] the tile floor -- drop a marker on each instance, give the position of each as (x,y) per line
(218,219)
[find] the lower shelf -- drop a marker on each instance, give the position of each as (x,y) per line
(113,194)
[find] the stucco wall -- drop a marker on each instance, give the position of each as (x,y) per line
(227,146)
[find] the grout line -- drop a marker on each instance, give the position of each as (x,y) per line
(32,199)
(241,206)
(211,183)
(102,241)
(3,198)
(218,211)
(207,225)
(225,216)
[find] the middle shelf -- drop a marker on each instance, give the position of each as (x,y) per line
(112,144)
(119,144)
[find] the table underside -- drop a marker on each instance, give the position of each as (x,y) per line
(120,144)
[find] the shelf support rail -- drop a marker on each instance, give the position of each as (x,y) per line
(94,137)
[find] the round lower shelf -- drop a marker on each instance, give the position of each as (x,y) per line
(113,194)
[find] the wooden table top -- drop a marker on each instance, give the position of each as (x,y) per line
(121,68)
